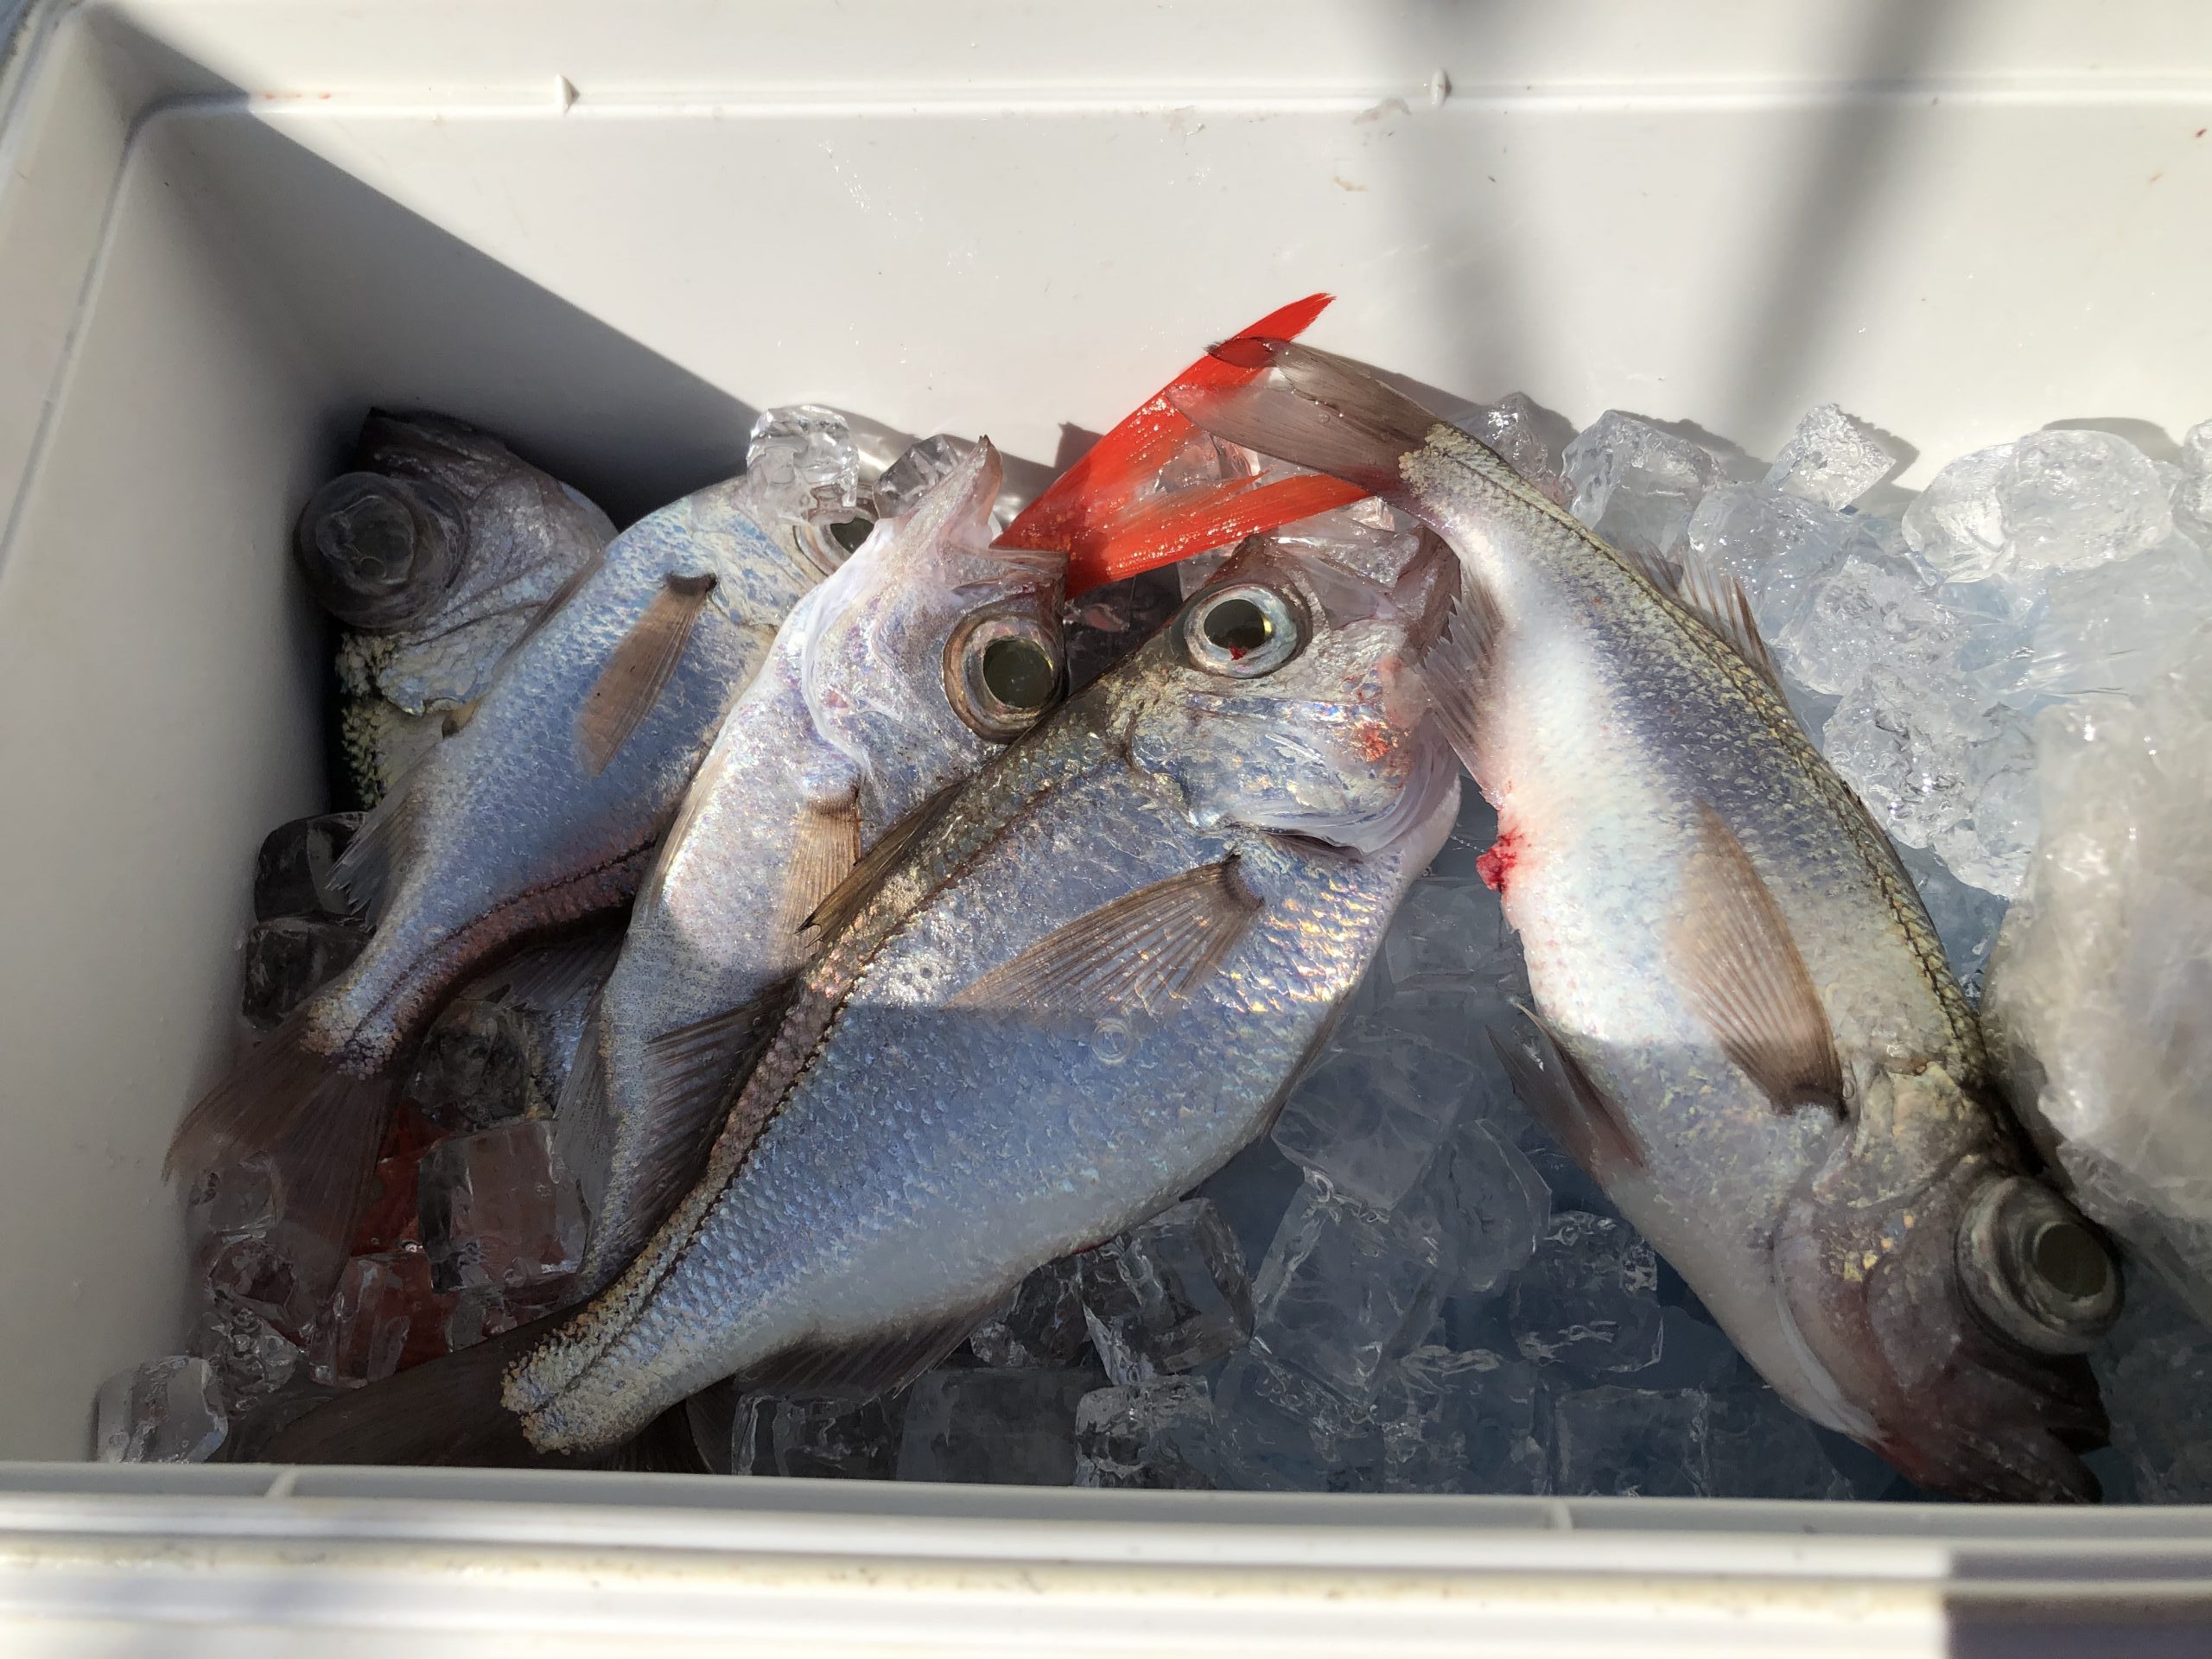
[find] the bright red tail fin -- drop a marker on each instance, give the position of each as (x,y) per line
(1097,512)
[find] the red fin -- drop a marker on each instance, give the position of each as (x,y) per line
(1092,513)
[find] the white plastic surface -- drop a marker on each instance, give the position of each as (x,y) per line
(611,232)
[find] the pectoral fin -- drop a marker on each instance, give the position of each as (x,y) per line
(1160,941)
(638,671)
(1563,1098)
(1742,972)
(825,846)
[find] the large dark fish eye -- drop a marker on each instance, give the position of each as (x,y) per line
(2035,1270)
(1002,672)
(378,552)
(850,533)
(1243,632)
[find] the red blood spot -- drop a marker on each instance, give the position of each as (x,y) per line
(1238,654)
(1496,865)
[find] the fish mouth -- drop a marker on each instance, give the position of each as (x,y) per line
(2037,1459)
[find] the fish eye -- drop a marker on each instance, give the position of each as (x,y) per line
(1243,632)
(2035,1270)
(1002,672)
(850,533)
(378,552)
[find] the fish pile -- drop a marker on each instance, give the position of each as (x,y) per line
(857,980)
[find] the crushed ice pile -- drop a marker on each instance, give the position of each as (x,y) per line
(1408,1287)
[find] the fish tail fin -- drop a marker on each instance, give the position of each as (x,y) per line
(318,1126)
(448,1411)
(1324,412)
(1100,512)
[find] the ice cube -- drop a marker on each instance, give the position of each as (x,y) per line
(1756,1446)
(1905,752)
(925,464)
(474,1068)
(383,1315)
(1531,439)
(1636,486)
(1618,1442)
(1001,1428)
(1278,1430)
(1775,546)
(1042,1325)
(1870,610)
(2114,627)
(240,1200)
(291,876)
(1588,1300)
(164,1411)
(248,1357)
(289,959)
(1957,524)
(2155,1371)
(499,1212)
(2192,489)
(801,464)
(1462,1423)
(1490,1205)
(2076,498)
(1157,1436)
(1347,1289)
(280,1274)
(1370,1117)
(1830,459)
(817,1439)
(387,1214)
(1450,936)
(1169,1295)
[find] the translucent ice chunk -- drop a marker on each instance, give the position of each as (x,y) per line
(1462,1423)
(1588,1299)
(1872,609)
(1530,438)
(164,1411)
(1830,459)
(383,1306)
(2112,628)
(1167,1296)
(2154,1371)
(248,1357)
(1450,935)
(908,479)
(1041,1326)
(1957,524)
(289,960)
(498,1211)
(2099,983)
(1616,1442)
(2074,500)
(1756,1446)
(837,1439)
(1157,1437)
(1634,485)
(2192,490)
(1966,917)
(291,876)
(1370,1116)
(1278,1430)
(1490,1206)
(801,464)
(1004,1428)
(1777,546)
(1346,1289)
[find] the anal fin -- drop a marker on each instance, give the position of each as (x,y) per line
(1160,941)
(875,1367)
(1742,973)
(639,670)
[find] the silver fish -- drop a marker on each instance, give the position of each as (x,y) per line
(1070,992)
(924,655)
(1748,1031)
(541,811)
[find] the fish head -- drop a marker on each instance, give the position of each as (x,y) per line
(1946,1325)
(930,650)
(1287,693)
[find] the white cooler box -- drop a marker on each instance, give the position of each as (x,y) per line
(612,232)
